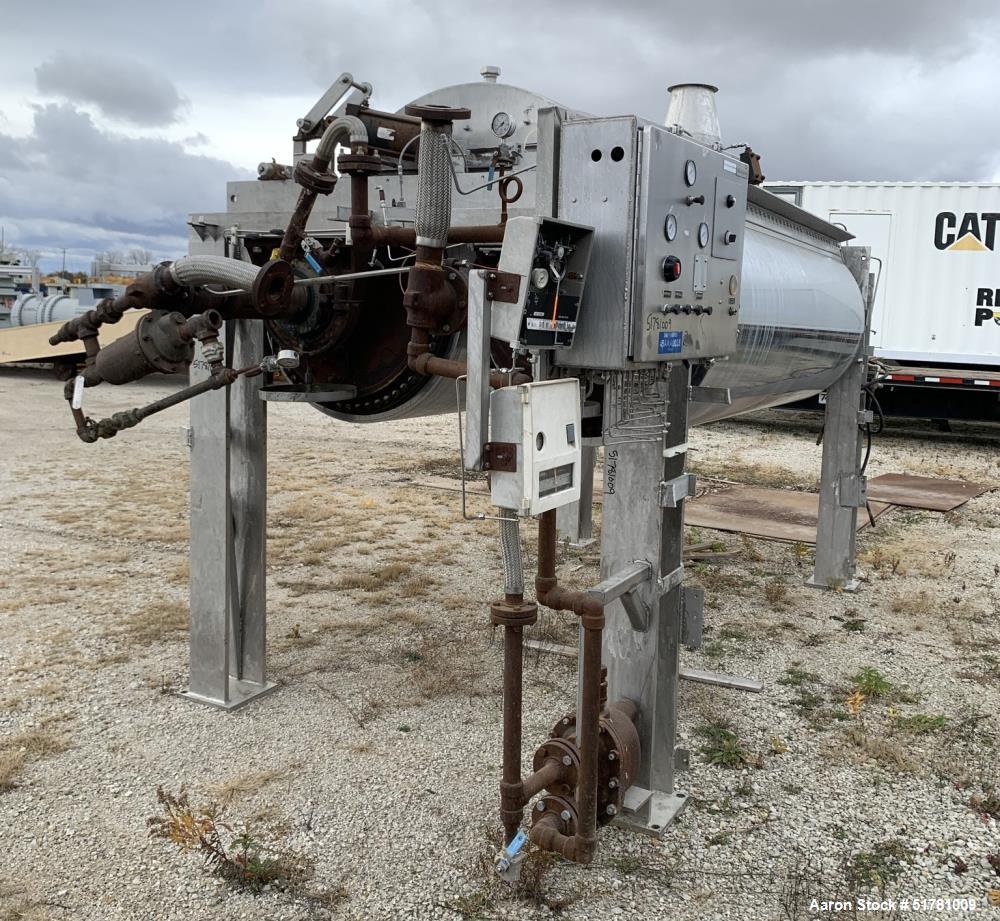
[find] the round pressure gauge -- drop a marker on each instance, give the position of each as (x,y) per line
(703,235)
(540,277)
(502,125)
(734,285)
(690,172)
(670,227)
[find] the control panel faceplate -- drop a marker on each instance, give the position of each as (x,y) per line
(666,265)
(689,248)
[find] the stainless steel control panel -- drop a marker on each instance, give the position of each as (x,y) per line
(665,269)
(689,249)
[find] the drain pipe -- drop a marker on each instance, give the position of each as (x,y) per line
(513,613)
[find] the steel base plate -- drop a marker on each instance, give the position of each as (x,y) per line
(309,393)
(240,693)
(653,820)
(850,586)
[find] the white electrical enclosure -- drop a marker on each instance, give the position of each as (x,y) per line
(542,421)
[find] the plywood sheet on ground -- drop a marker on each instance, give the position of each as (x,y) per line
(779,514)
(927,492)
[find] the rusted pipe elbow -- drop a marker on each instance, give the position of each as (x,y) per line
(579,848)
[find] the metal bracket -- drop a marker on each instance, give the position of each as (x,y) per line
(719,680)
(504,287)
(500,455)
(866,416)
(624,585)
(670,581)
(711,395)
(675,491)
(853,490)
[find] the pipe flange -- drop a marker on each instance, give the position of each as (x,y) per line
(441,115)
(513,613)
(565,728)
(319,181)
(560,808)
(272,288)
(567,756)
(360,164)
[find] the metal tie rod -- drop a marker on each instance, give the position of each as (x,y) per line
(350,276)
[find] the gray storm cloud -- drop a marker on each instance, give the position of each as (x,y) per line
(860,89)
(70,183)
(121,88)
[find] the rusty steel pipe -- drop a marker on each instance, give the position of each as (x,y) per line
(512,796)
(422,361)
(407,236)
(552,772)
(581,846)
(513,613)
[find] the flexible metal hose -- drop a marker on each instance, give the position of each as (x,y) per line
(191,271)
(345,129)
(434,185)
(510,552)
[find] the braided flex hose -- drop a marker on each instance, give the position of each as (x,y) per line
(191,271)
(434,187)
(510,552)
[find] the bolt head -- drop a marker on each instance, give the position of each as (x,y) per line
(564,815)
(612,810)
(612,756)
(566,760)
(613,783)
(540,806)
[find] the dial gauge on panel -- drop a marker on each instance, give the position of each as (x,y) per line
(502,125)
(670,227)
(540,277)
(703,235)
(690,172)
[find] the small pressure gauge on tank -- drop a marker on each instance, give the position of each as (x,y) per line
(670,227)
(690,172)
(703,234)
(502,125)
(540,277)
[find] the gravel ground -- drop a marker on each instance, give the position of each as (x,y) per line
(377,761)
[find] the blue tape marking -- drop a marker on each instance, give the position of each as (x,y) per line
(670,341)
(315,265)
(517,842)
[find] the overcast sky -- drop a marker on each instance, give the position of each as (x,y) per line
(115,124)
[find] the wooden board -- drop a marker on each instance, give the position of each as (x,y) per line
(778,514)
(31,343)
(927,492)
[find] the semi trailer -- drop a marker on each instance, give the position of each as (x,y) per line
(936,320)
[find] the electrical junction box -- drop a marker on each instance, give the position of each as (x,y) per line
(541,423)
(539,282)
(669,217)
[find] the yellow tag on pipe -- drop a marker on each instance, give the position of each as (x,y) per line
(275,253)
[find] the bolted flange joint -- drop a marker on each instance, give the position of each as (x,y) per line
(317,180)
(360,164)
(506,613)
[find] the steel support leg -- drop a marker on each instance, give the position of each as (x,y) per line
(228,531)
(576,520)
(843,488)
(643,665)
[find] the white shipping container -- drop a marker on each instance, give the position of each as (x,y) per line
(938,297)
